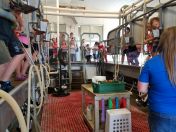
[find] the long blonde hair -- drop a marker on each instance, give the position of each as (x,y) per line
(167,48)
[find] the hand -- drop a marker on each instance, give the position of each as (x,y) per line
(145,41)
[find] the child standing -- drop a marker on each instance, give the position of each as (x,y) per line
(54,46)
(87,54)
(73,47)
(73,50)
(148,39)
(155,24)
(64,47)
(95,51)
(127,40)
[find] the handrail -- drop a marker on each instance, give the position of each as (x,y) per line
(19,93)
(148,12)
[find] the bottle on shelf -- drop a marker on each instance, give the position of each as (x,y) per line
(110,104)
(116,103)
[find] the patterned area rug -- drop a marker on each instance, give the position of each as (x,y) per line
(139,120)
(64,114)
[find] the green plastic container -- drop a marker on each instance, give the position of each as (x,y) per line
(108,87)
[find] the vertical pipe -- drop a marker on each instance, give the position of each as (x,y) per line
(58,41)
(47,43)
(57,4)
(144,25)
(46,8)
(161,18)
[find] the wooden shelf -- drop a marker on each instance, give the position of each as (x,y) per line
(90,123)
(88,91)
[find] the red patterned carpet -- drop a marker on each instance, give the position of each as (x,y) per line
(63,114)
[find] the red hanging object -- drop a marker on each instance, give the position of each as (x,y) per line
(123,103)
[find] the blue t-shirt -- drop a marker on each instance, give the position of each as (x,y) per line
(161,93)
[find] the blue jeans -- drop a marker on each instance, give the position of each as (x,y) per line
(73,57)
(133,58)
(161,122)
(95,56)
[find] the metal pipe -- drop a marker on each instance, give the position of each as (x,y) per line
(151,11)
(57,4)
(82,15)
(144,25)
(80,10)
(137,2)
(121,14)
(46,8)
(134,4)
(55,72)
(137,7)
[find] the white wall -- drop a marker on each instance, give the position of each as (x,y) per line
(109,24)
(68,21)
(71,26)
(169,17)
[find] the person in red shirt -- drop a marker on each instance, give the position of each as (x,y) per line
(103,52)
(149,38)
(64,47)
(55,46)
(155,25)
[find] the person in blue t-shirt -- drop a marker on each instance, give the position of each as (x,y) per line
(160,74)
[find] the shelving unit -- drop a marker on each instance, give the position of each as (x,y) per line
(87,90)
(65,77)
(77,78)
(64,70)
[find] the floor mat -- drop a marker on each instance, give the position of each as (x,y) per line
(64,114)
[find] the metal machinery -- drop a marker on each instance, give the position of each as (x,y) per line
(136,16)
(89,38)
(63,70)
(31,93)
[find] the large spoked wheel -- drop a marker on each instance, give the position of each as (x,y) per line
(45,78)
(35,96)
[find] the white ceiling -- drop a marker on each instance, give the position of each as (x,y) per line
(104,5)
